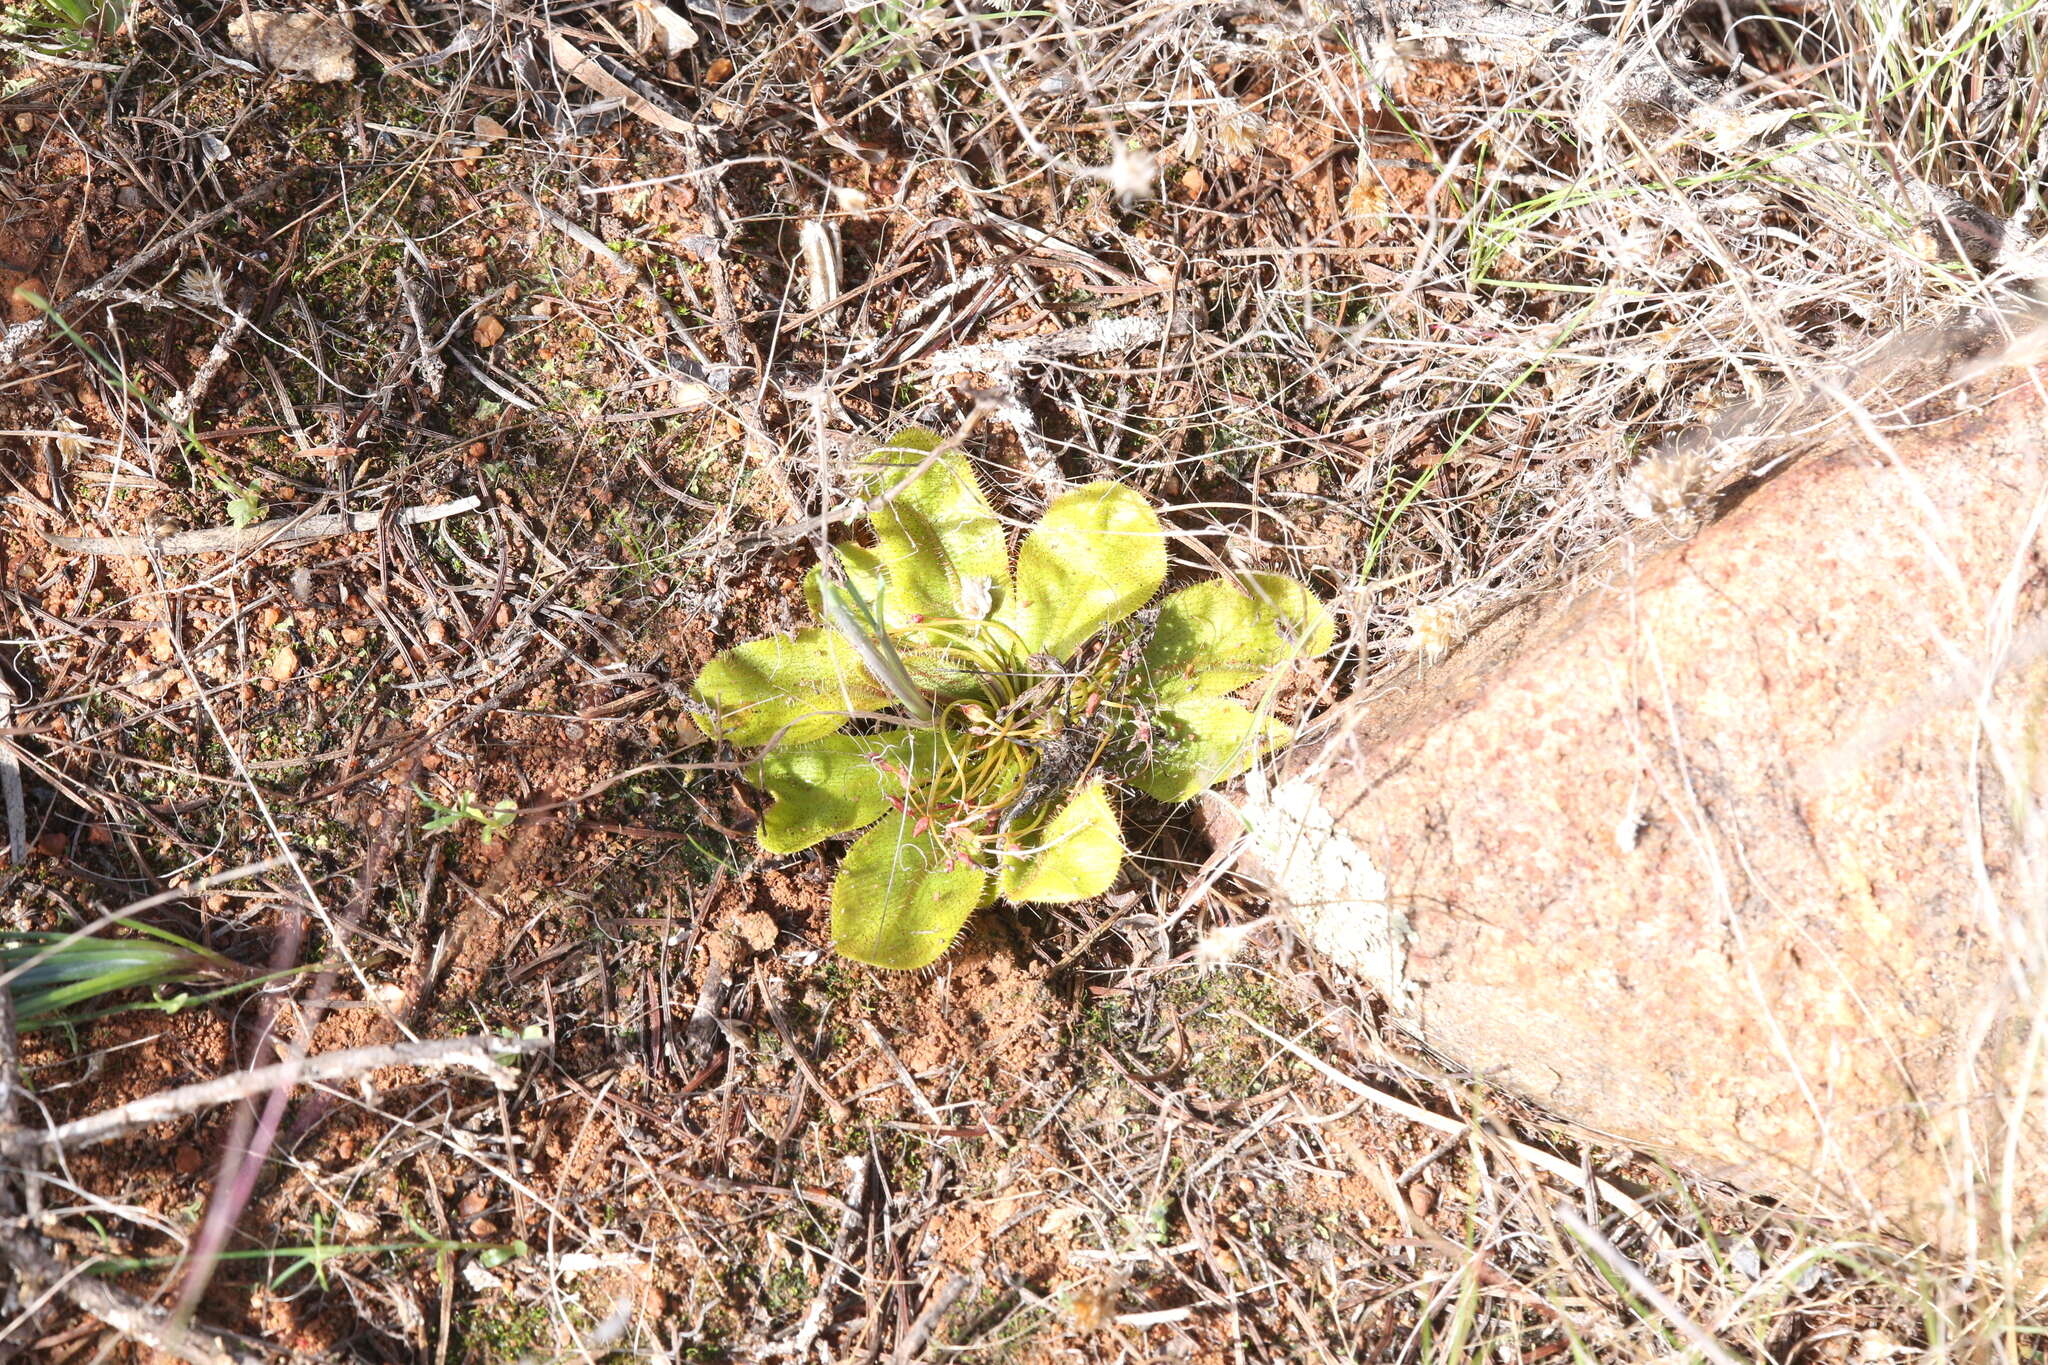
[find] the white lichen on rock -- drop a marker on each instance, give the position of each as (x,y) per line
(1335,892)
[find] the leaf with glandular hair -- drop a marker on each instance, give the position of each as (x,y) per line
(1074,856)
(828,786)
(1215,636)
(858,568)
(902,896)
(807,682)
(859,622)
(937,541)
(1200,741)
(1096,556)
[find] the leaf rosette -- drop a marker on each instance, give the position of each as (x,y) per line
(972,715)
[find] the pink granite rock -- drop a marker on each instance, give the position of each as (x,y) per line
(1735,849)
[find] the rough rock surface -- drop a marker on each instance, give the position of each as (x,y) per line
(1734,850)
(307,45)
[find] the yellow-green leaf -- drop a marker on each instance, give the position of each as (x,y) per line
(829,786)
(902,897)
(1096,556)
(1200,741)
(807,682)
(863,572)
(1215,636)
(937,541)
(1076,855)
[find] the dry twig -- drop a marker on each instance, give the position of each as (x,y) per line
(264,535)
(482,1053)
(153,1328)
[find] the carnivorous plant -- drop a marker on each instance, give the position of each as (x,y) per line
(978,716)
